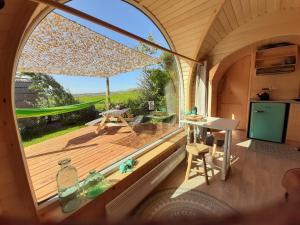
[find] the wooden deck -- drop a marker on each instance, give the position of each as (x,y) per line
(87,151)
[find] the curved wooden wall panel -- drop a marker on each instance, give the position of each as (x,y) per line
(259,29)
(15,192)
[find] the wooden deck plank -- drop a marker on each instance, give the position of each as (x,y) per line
(87,151)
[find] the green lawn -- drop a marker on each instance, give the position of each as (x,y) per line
(52,134)
(116,98)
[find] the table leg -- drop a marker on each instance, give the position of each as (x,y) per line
(188,134)
(229,149)
(195,134)
(225,157)
(126,124)
(100,126)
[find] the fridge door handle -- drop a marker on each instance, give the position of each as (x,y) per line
(259,111)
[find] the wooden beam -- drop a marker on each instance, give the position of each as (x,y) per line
(100,22)
(107,96)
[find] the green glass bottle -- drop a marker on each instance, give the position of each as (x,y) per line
(93,184)
(68,186)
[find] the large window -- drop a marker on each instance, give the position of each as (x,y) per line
(110,118)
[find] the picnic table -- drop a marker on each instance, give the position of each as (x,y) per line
(113,117)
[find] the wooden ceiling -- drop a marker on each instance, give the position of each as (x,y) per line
(196,26)
(185,21)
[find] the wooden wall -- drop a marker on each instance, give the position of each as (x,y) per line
(233,92)
(233,86)
(284,86)
(261,28)
(16,199)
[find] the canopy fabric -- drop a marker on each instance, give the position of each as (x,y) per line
(38,112)
(61,46)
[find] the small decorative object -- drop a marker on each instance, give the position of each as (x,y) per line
(264,94)
(194,110)
(151,105)
(68,186)
(93,184)
(187,113)
(127,166)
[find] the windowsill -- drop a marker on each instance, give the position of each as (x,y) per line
(53,213)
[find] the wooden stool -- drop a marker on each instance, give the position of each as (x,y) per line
(198,150)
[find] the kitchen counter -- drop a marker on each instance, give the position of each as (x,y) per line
(290,101)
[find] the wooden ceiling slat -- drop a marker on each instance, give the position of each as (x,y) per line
(187,20)
(238,11)
(195,13)
(191,27)
(246,9)
(219,28)
(174,8)
(158,4)
(145,2)
(180,8)
(210,41)
(230,15)
(183,35)
(214,34)
(224,21)
(254,8)
(270,6)
(186,42)
(262,7)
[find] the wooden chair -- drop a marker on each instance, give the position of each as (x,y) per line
(199,151)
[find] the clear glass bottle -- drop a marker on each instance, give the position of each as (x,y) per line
(93,184)
(68,186)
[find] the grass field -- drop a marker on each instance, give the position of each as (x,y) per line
(115,98)
(51,134)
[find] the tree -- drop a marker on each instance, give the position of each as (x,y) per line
(156,79)
(50,92)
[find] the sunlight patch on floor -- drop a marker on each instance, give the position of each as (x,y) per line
(245,144)
(192,183)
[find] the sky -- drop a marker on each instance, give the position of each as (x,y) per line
(120,14)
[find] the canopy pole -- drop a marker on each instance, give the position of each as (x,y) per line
(100,22)
(107,94)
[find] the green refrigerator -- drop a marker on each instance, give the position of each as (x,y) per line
(268,121)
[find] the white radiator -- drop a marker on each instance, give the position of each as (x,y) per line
(124,203)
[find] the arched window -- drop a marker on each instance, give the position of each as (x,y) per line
(78,97)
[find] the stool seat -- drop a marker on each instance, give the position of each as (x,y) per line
(196,150)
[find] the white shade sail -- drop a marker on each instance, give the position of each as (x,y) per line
(61,46)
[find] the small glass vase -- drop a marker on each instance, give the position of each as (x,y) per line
(68,186)
(93,184)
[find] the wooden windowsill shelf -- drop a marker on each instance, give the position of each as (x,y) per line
(53,212)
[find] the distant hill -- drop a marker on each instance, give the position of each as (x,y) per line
(103,93)
(116,97)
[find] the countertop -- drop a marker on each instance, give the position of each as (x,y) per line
(290,101)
